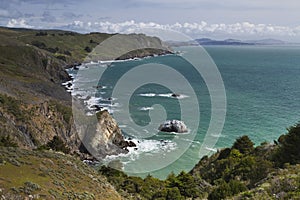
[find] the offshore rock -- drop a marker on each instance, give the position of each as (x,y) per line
(174,125)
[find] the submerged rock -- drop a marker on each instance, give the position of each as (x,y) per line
(174,125)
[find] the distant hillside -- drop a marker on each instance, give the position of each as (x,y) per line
(207,41)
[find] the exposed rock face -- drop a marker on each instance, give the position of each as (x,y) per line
(110,139)
(39,124)
(102,137)
(173,126)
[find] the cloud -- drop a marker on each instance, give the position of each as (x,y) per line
(195,30)
(18,23)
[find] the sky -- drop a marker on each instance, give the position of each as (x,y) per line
(239,19)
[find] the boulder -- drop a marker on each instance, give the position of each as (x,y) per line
(175,95)
(176,126)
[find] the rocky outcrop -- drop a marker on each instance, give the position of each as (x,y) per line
(109,139)
(175,95)
(33,125)
(173,126)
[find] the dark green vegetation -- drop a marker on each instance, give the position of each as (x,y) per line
(240,172)
(56,144)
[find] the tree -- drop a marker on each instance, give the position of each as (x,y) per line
(289,151)
(173,194)
(58,144)
(243,144)
(227,190)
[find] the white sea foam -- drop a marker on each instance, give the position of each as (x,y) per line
(146,108)
(92,101)
(147,95)
(167,95)
(211,149)
(218,135)
(144,147)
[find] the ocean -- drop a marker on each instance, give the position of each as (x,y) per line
(262,88)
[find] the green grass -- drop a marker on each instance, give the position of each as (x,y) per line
(48,174)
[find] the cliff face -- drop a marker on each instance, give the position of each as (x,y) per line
(34,106)
(34,125)
(111,137)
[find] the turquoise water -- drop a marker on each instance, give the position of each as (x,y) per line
(263,90)
(263,99)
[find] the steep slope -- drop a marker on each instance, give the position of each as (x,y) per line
(49,175)
(34,106)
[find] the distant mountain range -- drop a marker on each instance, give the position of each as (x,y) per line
(208,41)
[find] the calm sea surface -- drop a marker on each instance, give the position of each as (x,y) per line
(262,86)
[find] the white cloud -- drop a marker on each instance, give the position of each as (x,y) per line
(18,23)
(242,29)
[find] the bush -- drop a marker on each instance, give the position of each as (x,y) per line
(88,49)
(41,33)
(61,57)
(66,111)
(227,190)
(57,144)
(39,44)
(6,141)
(288,150)
(12,106)
(243,144)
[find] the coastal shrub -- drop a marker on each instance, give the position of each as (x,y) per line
(187,185)
(68,53)
(45,62)
(288,150)
(12,106)
(6,141)
(227,190)
(38,44)
(66,111)
(52,50)
(61,57)
(243,144)
(41,33)
(174,194)
(56,144)
(88,49)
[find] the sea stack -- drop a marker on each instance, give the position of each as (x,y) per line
(174,125)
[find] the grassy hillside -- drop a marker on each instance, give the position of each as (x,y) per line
(32,69)
(49,175)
